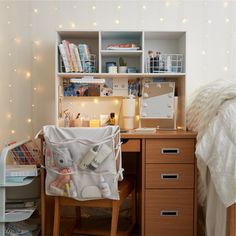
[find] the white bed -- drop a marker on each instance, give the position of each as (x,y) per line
(212,113)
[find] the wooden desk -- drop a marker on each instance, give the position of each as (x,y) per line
(167,182)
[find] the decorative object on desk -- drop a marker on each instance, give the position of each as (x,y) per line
(128,111)
(120,87)
(134,86)
(132,70)
(111,120)
(106,89)
(158,100)
(112,69)
(122,65)
(159,63)
(123,46)
(108,64)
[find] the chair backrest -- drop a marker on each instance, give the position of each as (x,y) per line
(83,163)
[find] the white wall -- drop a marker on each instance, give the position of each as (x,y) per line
(27,31)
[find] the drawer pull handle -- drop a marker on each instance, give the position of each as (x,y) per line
(173,151)
(169,213)
(169,176)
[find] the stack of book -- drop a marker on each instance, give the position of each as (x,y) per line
(77,58)
(17,173)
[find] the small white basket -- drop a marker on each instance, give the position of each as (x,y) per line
(165,63)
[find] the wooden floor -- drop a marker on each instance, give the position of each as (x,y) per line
(98,223)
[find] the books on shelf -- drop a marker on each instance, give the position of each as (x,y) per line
(76,58)
(21,170)
(123,46)
(27,153)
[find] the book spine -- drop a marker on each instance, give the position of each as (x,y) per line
(64,58)
(82,56)
(73,58)
(67,50)
(28,154)
(76,51)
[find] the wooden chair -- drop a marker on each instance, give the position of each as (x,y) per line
(125,187)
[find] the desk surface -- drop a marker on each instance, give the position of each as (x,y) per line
(159,134)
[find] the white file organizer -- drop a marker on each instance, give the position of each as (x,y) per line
(83,163)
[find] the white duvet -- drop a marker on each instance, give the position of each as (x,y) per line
(212,113)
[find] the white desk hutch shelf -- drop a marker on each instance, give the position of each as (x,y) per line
(100,44)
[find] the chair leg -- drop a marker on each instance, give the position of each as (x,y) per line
(133,207)
(77,215)
(115,217)
(56,223)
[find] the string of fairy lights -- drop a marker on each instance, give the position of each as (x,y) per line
(96,13)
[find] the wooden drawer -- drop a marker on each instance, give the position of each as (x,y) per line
(169,176)
(169,212)
(132,145)
(170,151)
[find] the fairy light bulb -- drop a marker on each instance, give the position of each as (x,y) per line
(9,54)
(73,25)
(184,20)
(60,26)
(82,104)
(36,58)
(28,74)
(29,120)
(94,8)
(8,22)
(9,85)
(7,7)
(10,100)
(95,100)
(225,68)
(203,52)
(119,7)
(209,22)
(161,19)
(13,131)
(37,42)
(228,52)
(94,23)
(167,3)
(35,89)
(17,40)
(226,4)
(117,22)
(116,101)
(33,105)
(144,7)
(36,10)
(9,116)
(227,20)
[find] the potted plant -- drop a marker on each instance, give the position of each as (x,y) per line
(122,65)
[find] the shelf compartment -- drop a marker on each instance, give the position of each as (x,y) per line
(15,215)
(90,38)
(121,37)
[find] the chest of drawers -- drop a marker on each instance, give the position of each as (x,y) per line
(169,186)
